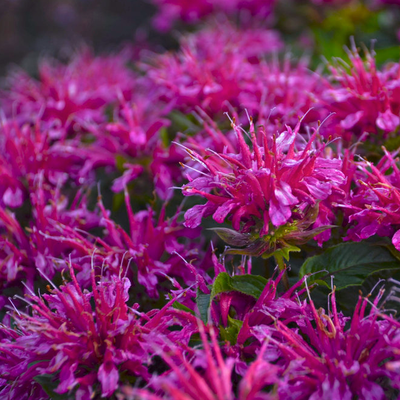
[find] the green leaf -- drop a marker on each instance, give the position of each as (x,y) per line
(119,162)
(164,137)
(203,304)
(183,122)
(37,362)
(230,333)
(182,307)
(284,252)
(252,285)
(387,54)
(393,143)
(117,201)
(349,263)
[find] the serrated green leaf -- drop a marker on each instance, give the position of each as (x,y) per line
(349,263)
(203,304)
(252,285)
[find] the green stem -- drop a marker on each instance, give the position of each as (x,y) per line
(281,264)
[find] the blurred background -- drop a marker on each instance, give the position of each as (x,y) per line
(30,28)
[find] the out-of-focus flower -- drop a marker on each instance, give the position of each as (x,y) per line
(188,11)
(134,136)
(35,171)
(284,91)
(27,152)
(363,99)
(374,205)
(215,66)
(86,114)
(270,192)
(65,95)
(333,2)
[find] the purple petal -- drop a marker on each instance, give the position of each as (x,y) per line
(284,195)
(396,240)
(108,376)
(279,213)
(351,120)
(222,211)
(195,214)
(67,378)
(387,121)
(129,175)
(13,197)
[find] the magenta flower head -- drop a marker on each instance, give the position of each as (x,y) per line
(364,99)
(51,234)
(282,90)
(213,67)
(134,136)
(322,358)
(270,191)
(188,11)
(65,95)
(373,206)
(207,376)
(34,169)
(85,343)
(154,247)
(249,314)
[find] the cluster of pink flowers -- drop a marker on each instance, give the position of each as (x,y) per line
(217,65)
(81,346)
(188,11)
(113,167)
(375,202)
(364,99)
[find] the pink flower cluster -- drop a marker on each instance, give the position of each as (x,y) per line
(215,66)
(111,169)
(188,11)
(83,339)
(364,99)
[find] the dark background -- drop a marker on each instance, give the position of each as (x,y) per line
(31,28)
